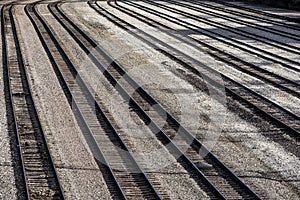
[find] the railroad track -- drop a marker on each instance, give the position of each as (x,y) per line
(203,9)
(285,84)
(123,175)
(79,37)
(270,16)
(99,130)
(263,54)
(267,108)
(250,71)
(263,108)
(39,175)
(218,177)
(249,15)
(285,62)
(287,49)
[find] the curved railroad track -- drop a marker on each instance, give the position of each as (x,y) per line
(229,183)
(270,16)
(87,44)
(272,79)
(40,178)
(287,49)
(264,106)
(250,15)
(248,49)
(123,175)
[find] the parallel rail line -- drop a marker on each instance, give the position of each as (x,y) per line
(234,43)
(278,81)
(240,21)
(261,13)
(239,13)
(283,83)
(219,181)
(84,42)
(280,45)
(10,107)
(268,108)
(218,37)
(39,174)
(123,175)
(232,181)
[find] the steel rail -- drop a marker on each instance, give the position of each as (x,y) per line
(285,84)
(131,27)
(229,28)
(282,85)
(292,131)
(219,36)
(45,143)
(240,21)
(174,150)
(99,153)
(158,23)
(11,105)
(284,111)
(291,49)
(245,15)
(23,74)
(140,89)
(95,149)
(259,12)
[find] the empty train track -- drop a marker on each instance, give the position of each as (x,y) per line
(40,180)
(263,106)
(124,177)
(240,12)
(291,64)
(284,51)
(285,84)
(219,180)
(204,9)
(268,16)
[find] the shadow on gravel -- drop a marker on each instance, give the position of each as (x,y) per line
(13,143)
(227,32)
(286,4)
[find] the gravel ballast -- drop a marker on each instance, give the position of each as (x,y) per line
(238,136)
(241,139)
(177,180)
(78,172)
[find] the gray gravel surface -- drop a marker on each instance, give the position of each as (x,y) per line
(248,152)
(78,172)
(263,164)
(282,98)
(147,150)
(269,9)
(8,188)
